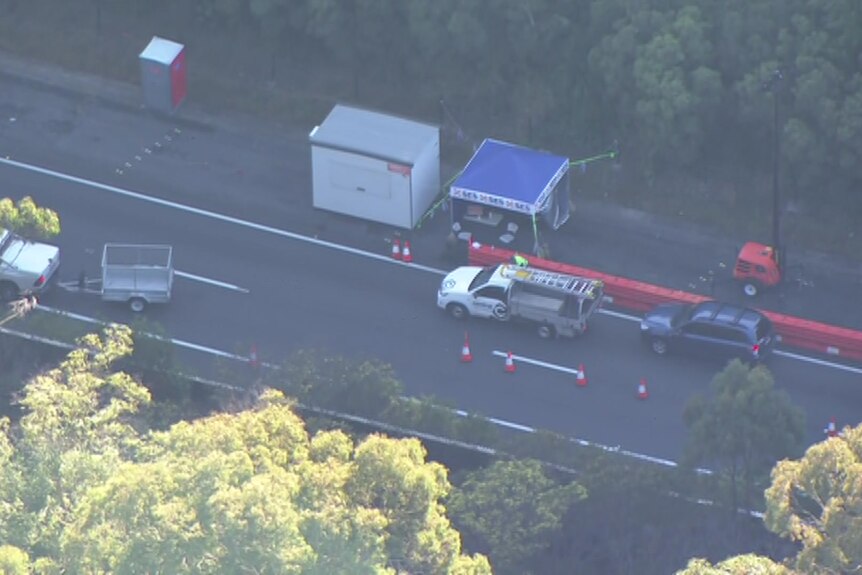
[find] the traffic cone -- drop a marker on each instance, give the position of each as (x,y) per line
(510,363)
(253,360)
(642,390)
(406,256)
(396,249)
(466,356)
(831,430)
(581,377)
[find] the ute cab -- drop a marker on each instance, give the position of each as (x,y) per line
(757,268)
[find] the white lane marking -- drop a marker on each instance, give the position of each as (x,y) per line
(74,285)
(820,362)
(619,315)
(177,342)
(215,215)
(210,281)
(220,353)
(314,241)
(540,363)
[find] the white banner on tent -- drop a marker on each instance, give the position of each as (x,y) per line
(491,200)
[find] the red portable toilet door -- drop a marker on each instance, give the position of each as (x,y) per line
(178,79)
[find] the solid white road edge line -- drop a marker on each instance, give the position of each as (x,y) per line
(213,215)
(331,245)
(220,353)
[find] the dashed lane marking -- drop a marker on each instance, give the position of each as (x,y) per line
(210,281)
(322,243)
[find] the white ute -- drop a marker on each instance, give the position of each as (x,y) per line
(26,267)
(555,303)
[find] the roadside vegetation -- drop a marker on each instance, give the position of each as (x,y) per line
(686,88)
(530,503)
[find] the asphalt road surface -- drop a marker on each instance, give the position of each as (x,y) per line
(244,284)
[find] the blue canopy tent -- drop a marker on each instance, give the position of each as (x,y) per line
(503,177)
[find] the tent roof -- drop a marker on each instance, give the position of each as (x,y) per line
(502,171)
(374,134)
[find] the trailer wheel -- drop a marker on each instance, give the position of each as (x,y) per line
(8,291)
(546,331)
(137,304)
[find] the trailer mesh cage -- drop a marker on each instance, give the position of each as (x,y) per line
(137,255)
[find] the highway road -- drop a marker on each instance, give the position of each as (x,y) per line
(246,283)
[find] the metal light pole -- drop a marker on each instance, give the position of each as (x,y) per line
(774,84)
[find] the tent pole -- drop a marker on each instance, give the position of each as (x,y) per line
(535,235)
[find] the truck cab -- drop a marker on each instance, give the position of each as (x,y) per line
(26,267)
(474,291)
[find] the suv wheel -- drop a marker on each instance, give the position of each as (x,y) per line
(659,345)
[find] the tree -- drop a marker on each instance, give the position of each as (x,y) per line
(13,561)
(745,427)
(513,506)
(78,425)
(817,501)
(86,488)
(28,219)
(740,565)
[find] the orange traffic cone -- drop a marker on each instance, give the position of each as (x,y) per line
(406,255)
(581,378)
(831,430)
(253,360)
(396,249)
(466,356)
(510,363)
(642,390)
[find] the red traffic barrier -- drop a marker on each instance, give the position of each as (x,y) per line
(639,296)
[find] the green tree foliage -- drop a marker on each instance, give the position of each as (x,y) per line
(741,565)
(86,488)
(13,561)
(817,501)
(79,422)
(744,427)
(513,506)
(28,219)
(361,387)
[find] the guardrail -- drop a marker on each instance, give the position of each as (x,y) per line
(640,296)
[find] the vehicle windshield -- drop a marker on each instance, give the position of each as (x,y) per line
(482,278)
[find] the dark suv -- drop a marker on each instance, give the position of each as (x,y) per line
(710,328)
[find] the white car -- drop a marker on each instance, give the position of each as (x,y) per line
(26,266)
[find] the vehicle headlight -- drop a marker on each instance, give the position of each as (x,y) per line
(447,284)
(644,326)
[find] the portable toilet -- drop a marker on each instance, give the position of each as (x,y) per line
(163,74)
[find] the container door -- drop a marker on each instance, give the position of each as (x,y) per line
(178,79)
